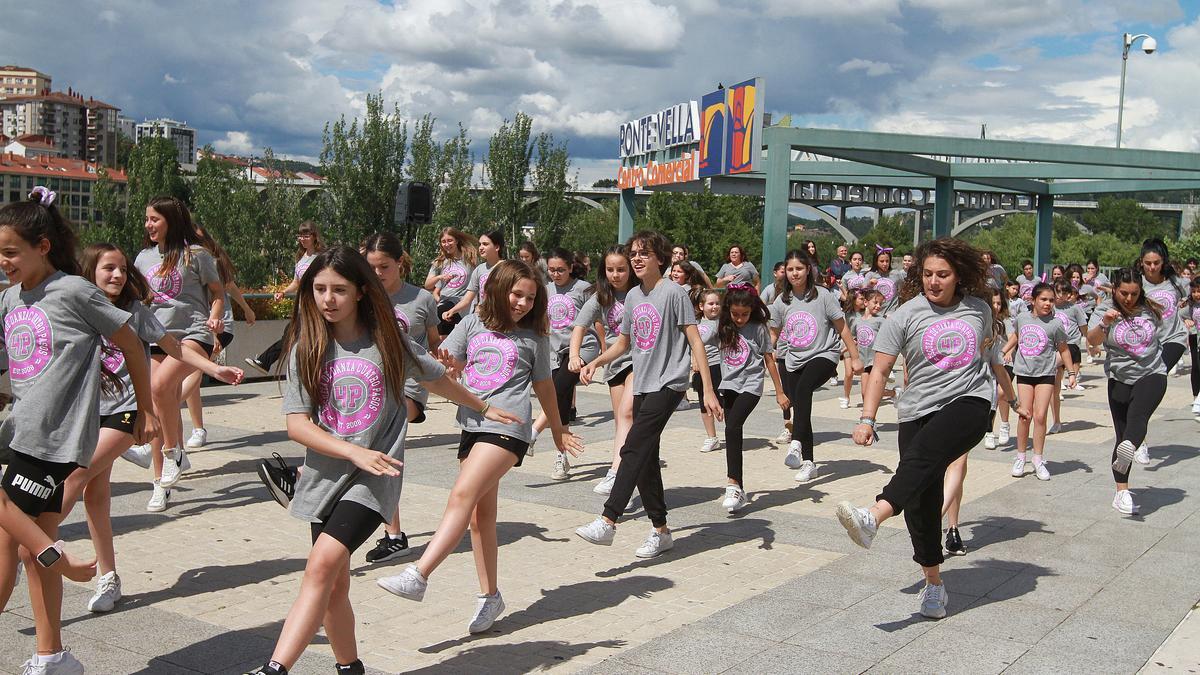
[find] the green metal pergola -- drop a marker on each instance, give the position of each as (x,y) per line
(1043,171)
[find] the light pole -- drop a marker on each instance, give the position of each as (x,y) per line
(1149,45)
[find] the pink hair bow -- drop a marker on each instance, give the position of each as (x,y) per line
(741,287)
(882,249)
(45,195)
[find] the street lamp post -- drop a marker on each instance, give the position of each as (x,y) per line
(1149,45)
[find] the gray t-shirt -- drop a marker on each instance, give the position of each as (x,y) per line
(1133,346)
(1168,295)
(1016,306)
(1087,298)
(889,285)
(806,327)
(52,337)
(1038,338)
(302,265)
(501,369)
(563,306)
(454,287)
(180,297)
(610,317)
(1193,313)
(743,365)
(149,331)
(416,312)
(768,293)
(1072,317)
(942,348)
(353,404)
(708,335)
(654,323)
(478,281)
(865,332)
(745,273)
(697,266)
(854,281)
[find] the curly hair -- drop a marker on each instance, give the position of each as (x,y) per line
(966,260)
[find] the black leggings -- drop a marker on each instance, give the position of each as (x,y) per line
(1195,350)
(444,326)
(270,355)
(1131,407)
(639,457)
(800,390)
(1171,353)
(781,365)
(738,406)
(927,446)
(564,389)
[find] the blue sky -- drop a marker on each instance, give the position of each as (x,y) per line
(274,73)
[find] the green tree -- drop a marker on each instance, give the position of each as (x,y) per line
(505,169)
(363,165)
(226,204)
(893,231)
(709,224)
(550,182)
(1126,219)
(591,231)
(605,183)
(280,212)
(106,222)
(153,171)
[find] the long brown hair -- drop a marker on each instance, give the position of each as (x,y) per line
(181,233)
(966,260)
(812,280)
(467,251)
(605,291)
(746,297)
(224,265)
(389,244)
(309,227)
(311,336)
(494,311)
(1133,275)
(136,288)
(35,222)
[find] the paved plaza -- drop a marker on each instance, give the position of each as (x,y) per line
(1054,579)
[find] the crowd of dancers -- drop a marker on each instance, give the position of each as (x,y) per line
(128,339)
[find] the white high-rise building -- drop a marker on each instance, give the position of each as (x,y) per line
(180,133)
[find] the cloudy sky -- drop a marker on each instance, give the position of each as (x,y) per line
(272,73)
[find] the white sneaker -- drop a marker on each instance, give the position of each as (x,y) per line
(785,434)
(989,441)
(843,403)
(710,444)
(158,500)
(198,438)
(1055,428)
(1123,502)
(1196,407)
(1018,469)
(808,471)
(1040,470)
(139,455)
(605,486)
(562,467)
(1125,455)
(1090,360)
(532,442)
(108,592)
(859,524)
(933,601)
(66,664)
(1005,434)
(735,499)
(175,462)
(487,609)
(792,459)
(1078,385)
(656,544)
(599,531)
(1142,456)
(408,584)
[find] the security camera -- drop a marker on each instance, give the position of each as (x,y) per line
(1149,45)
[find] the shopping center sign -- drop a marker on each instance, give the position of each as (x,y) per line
(721,134)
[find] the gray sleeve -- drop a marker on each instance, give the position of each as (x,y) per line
(684,312)
(724,271)
(589,313)
(148,328)
(541,359)
(625,317)
(753,272)
(418,364)
(98,312)
(1098,314)
(206,268)
(473,283)
(833,309)
(456,341)
(431,313)
(776,314)
(295,397)
(763,337)
(890,339)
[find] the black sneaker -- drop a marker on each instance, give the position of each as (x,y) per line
(388,549)
(356,668)
(954,545)
(253,362)
(271,668)
(279,478)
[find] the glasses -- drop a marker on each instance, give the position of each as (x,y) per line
(304,236)
(638,253)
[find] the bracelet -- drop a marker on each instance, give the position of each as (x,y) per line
(486,407)
(869,421)
(1014,403)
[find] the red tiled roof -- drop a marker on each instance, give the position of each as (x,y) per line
(54,167)
(36,141)
(61,97)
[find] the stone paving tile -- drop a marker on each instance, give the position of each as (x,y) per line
(945,650)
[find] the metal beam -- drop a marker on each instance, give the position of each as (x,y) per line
(943,207)
(1110,186)
(625,215)
(894,160)
(1043,233)
(1051,171)
(775,205)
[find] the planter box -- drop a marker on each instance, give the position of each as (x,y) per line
(250,341)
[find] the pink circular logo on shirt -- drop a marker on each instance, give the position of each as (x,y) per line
(112,358)
(801,329)
(738,355)
(351,395)
(949,344)
(483,277)
(1166,300)
(1196,314)
(166,287)
(491,360)
(614,317)
(646,325)
(1032,339)
(856,281)
(1026,291)
(456,275)
(1064,319)
(29,338)
(302,266)
(401,318)
(1133,334)
(561,311)
(887,287)
(705,331)
(864,335)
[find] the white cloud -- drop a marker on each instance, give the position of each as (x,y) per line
(170,79)
(236,143)
(871,68)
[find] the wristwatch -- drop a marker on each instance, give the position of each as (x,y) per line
(51,554)
(1014,403)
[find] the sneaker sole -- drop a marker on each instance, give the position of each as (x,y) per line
(602,490)
(648,556)
(278,495)
(253,364)
(1124,460)
(792,464)
(415,597)
(606,542)
(812,476)
(934,616)
(392,556)
(98,610)
(556,476)
(475,630)
(150,509)
(845,514)
(183,465)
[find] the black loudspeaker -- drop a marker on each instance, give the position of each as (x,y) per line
(414,203)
